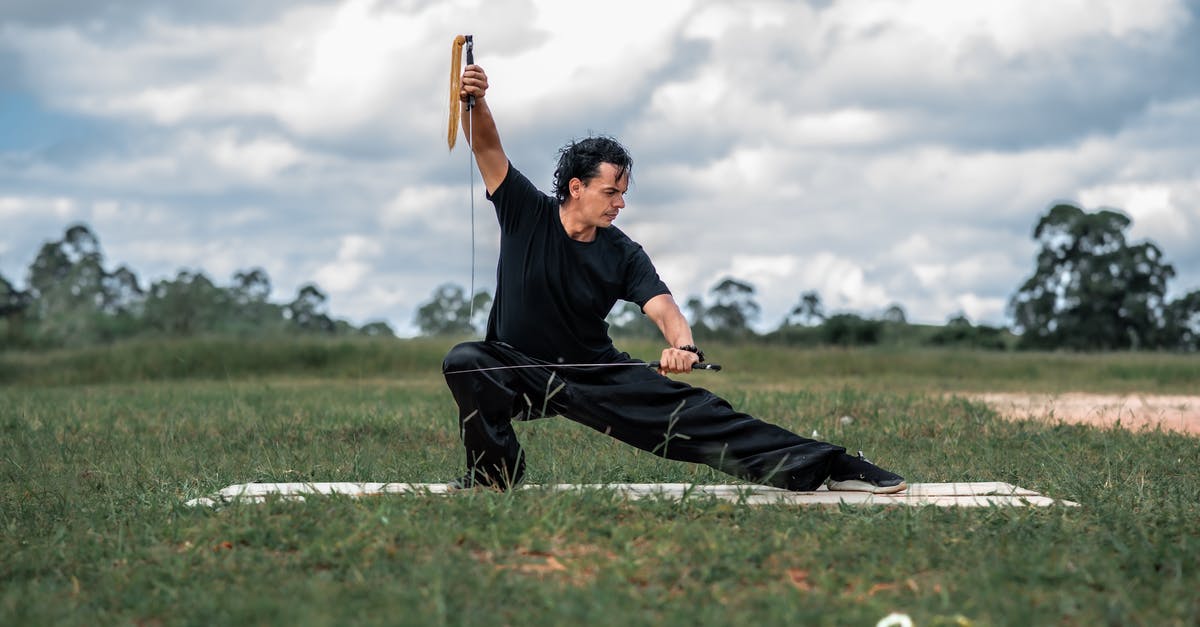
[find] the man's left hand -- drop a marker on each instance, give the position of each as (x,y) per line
(676,361)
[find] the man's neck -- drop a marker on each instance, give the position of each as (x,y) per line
(572,225)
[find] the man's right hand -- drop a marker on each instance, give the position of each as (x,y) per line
(677,361)
(474,83)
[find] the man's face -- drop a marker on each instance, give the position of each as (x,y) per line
(601,198)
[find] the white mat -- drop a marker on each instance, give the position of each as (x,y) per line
(974,494)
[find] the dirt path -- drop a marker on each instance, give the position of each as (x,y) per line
(1134,411)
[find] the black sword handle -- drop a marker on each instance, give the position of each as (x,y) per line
(714,367)
(470,61)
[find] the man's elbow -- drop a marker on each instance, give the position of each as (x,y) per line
(661,308)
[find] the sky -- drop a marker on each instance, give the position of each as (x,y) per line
(878,153)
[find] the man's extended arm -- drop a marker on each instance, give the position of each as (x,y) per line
(675,329)
(480,129)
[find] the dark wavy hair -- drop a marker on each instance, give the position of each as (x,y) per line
(581,159)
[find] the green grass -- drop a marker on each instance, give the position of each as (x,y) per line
(95,467)
(751,365)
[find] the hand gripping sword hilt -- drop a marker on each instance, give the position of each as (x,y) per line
(470,46)
(696,366)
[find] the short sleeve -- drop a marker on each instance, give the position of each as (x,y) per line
(641,279)
(516,200)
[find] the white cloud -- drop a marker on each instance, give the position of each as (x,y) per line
(106,209)
(779,280)
(258,159)
(593,63)
(15,207)
(1152,207)
(192,161)
(980,309)
(355,257)
(161,258)
(429,205)
(846,126)
(1014,27)
(321,71)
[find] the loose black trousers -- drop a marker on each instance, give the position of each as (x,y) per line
(635,405)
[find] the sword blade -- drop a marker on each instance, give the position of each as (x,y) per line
(625,364)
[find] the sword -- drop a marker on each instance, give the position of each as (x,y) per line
(627,364)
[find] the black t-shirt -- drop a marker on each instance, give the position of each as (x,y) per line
(552,292)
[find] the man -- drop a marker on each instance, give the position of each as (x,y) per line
(562,267)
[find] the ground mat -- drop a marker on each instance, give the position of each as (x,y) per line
(967,494)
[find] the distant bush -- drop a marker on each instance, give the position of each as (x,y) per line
(959,332)
(222,357)
(851,330)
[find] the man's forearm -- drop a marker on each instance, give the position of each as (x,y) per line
(670,321)
(665,313)
(676,330)
(480,127)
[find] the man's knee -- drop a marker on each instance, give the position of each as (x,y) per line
(467,356)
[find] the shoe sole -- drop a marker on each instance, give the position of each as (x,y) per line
(854,485)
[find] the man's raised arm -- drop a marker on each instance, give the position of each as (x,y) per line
(480,129)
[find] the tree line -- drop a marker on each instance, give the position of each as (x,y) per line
(72,299)
(1090,289)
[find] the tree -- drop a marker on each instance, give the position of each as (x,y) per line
(377,328)
(847,329)
(121,306)
(895,314)
(190,304)
(122,294)
(960,332)
(628,320)
(13,304)
(66,273)
(308,310)
(74,300)
(251,286)
(809,312)
(448,312)
(250,309)
(50,269)
(1091,288)
(12,300)
(733,308)
(1183,317)
(482,305)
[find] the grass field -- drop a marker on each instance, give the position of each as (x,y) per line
(100,448)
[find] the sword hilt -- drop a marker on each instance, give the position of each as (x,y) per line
(697,366)
(470,61)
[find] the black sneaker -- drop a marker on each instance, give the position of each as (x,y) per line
(858,474)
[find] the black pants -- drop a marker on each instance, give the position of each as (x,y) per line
(635,405)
